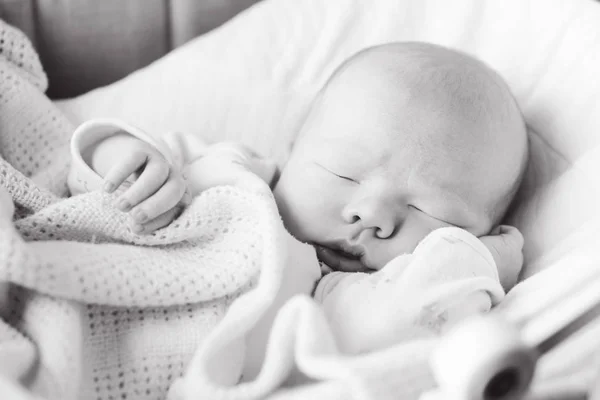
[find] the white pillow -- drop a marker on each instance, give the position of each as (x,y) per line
(254,78)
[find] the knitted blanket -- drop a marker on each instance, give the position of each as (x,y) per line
(89,309)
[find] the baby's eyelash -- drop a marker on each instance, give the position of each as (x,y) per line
(431,216)
(343,177)
(338,175)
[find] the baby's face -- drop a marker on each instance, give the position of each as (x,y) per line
(372,175)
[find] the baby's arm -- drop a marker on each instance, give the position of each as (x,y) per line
(156,173)
(224,163)
(506,245)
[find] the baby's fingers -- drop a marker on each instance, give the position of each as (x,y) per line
(152,178)
(166,198)
(157,223)
(122,170)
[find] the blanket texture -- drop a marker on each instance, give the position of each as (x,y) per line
(92,310)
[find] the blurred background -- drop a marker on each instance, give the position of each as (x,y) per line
(85,44)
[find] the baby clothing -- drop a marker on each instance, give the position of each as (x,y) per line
(187,153)
(449,276)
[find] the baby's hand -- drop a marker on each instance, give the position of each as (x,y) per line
(158,193)
(506,245)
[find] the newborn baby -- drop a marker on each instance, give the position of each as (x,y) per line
(403,139)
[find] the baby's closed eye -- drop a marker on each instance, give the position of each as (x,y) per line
(428,215)
(339,175)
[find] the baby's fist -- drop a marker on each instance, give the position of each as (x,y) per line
(158,191)
(506,245)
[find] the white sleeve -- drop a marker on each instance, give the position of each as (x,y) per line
(177,149)
(184,147)
(450,275)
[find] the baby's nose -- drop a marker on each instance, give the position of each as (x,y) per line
(372,213)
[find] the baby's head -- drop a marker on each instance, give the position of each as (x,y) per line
(403,139)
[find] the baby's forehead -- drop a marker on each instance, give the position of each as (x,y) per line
(445,104)
(423,71)
(431,92)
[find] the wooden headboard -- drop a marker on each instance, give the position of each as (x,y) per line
(85,44)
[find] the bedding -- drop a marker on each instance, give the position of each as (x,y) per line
(253,80)
(91,310)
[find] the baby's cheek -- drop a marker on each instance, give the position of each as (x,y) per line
(297,208)
(309,204)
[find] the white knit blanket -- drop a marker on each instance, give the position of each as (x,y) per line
(92,310)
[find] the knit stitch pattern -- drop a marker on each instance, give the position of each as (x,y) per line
(92,310)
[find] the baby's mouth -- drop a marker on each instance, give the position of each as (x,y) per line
(340,260)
